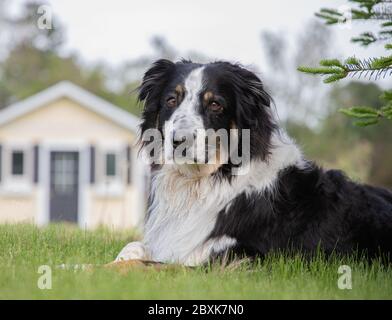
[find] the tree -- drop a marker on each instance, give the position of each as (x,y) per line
(376,148)
(300,98)
(365,154)
(34,61)
(371,68)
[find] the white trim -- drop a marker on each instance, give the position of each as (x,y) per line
(16,185)
(83,97)
(110,186)
(42,195)
(140,172)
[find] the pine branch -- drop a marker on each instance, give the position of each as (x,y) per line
(367,38)
(366,116)
(372,68)
(374,10)
(380,10)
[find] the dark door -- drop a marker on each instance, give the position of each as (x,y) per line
(64,174)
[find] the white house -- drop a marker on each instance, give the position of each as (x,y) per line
(68,155)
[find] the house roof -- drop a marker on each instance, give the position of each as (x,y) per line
(66,89)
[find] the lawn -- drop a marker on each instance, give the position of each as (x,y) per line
(23,248)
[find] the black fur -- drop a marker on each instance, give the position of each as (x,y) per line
(309,209)
(248,104)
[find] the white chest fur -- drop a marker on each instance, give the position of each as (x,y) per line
(184,209)
(182,215)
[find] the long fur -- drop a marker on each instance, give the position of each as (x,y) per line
(283,202)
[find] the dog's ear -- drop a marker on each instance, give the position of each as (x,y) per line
(153,78)
(150,91)
(253,110)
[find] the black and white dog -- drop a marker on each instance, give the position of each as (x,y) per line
(200,211)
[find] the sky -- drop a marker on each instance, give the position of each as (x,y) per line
(117,30)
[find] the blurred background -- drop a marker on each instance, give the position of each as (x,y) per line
(105,46)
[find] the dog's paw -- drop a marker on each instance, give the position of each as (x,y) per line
(133,251)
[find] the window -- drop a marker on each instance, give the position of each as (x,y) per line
(65,172)
(110,182)
(17,165)
(110,165)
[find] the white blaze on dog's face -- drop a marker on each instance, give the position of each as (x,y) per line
(194,106)
(185,126)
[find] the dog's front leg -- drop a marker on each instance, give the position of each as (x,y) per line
(134,251)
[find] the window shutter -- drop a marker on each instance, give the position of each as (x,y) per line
(129,164)
(92,164)
(36,164)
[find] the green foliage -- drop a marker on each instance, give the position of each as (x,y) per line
(371,68)
(28,70)
(280,275)
(364,153)
(34,63)
(369,115)
(365,10)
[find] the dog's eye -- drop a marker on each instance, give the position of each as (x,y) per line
(171,102)
(215,106)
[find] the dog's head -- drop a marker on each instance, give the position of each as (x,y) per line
(183,99)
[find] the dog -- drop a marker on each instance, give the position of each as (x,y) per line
(199,212)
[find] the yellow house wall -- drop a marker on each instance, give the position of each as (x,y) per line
(63,119)
(114,211)
(66,122)
(18,209)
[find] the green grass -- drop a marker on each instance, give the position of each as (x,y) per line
(23,248)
